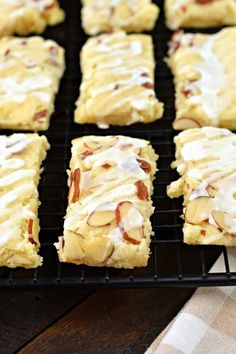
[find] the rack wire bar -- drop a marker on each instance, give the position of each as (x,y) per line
(171,263)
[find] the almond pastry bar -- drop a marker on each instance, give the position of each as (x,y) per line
(30,71)
(118,81)
(204,68)
(21,156)
(109,208)
(199,13)
(128,15)
(206,161)
(28,16)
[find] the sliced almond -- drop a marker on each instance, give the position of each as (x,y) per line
(142,191)
(92,145)
(122,210)
(144,165)
(224,220)
(113,141)
(211,190)
(30,232)
(176,40)
(148,85)
(30,227)
(134,236)
(199,210)
(74,191)
(106,166)
(204,2)
(101,217)
(125,147)
(71,247)
(185,123)
(41,115)
(98,249)
(85,154)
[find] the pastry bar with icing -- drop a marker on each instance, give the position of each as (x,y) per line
(109,208)
(206,161)
(199,13)
(128,15)
(23,17)
(30,71)
(204,68)
(118,81)
(21,156)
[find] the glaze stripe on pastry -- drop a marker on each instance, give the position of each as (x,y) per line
(109,205)
(206,161)
(23,17)
(118,81)
(21,156)
(128,15)
(30,72)
(199,13)
(205,78)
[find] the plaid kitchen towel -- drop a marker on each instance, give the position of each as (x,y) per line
(206,324)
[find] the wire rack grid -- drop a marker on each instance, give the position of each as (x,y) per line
(171,263)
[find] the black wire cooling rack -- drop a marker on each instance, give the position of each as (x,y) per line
(171,262)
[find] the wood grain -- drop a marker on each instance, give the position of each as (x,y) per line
(112,321)
(25,314)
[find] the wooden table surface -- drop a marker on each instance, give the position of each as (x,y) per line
(86,321)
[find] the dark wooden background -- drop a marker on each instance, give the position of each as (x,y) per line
(86,321)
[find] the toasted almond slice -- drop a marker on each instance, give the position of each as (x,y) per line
(199,210)
(71,245)
(106,166)
(142,191)
(185,123)
(175,40)
(122,210)
(101,216)
(85,154)
(211,190)
(74,191)
(30,232)
(92,145)
(30,227)
(134,236)
(144,165)
(40,115)
(99,248)
(225,221)
(125,147)
(113,141)
(204,2)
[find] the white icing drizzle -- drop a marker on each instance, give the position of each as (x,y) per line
(213,94)
(18,7)
(116,57)
(102,9)
(179,3)
(115,236)
(212,82)
(105,190)
(132,220)
(215,152)
(13,171)
(16,176)
(17,89)
(32,74)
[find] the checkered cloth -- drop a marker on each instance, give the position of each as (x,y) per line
(206,324)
